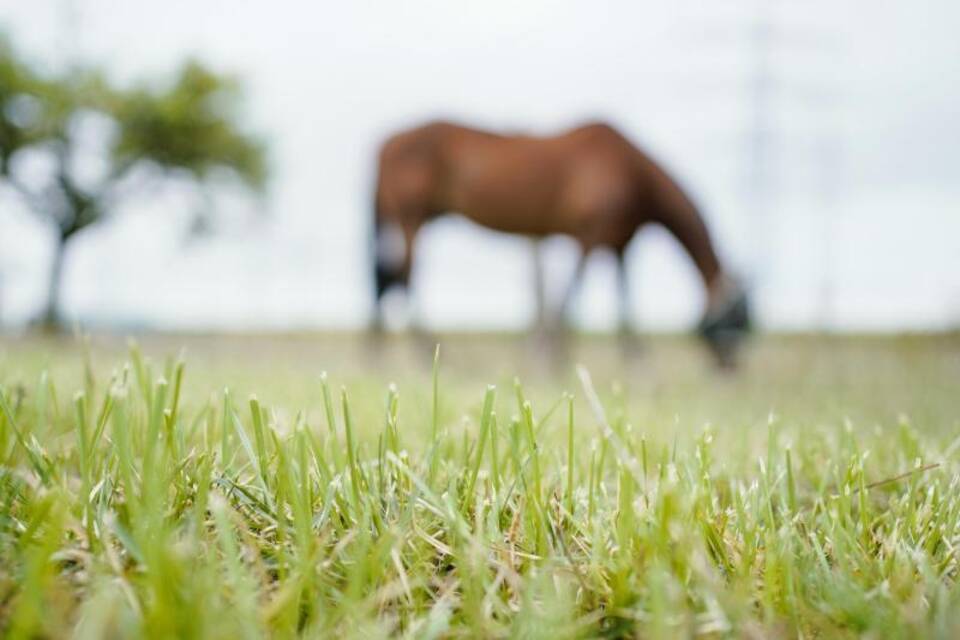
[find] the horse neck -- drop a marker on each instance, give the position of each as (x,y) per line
(680,217)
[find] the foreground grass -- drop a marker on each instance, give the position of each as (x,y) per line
(132,506)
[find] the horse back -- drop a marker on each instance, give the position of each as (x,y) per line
(513,183)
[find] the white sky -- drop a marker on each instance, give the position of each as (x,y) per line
(877,81)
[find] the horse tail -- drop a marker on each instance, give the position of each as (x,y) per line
(388,249)
(376,231)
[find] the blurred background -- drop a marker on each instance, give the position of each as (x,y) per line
(820,139)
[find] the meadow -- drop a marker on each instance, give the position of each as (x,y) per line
(311,485)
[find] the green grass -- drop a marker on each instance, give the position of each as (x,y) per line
(816,494)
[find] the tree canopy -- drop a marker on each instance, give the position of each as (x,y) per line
(186,124)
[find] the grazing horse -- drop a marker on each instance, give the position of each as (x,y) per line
(589,183)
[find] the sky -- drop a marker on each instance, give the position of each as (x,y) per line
(849,217)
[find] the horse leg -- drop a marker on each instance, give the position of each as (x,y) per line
(393,247)
(629,344)
(426,341)
(541,319)
(561,322)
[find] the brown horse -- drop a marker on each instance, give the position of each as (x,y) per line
(589,183)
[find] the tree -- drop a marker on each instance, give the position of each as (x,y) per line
(186,127)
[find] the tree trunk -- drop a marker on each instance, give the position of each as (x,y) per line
(51,315)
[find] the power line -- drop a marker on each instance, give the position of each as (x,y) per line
(765,91)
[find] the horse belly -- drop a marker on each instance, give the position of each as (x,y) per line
(512,197)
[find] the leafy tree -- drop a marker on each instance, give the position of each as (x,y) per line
(184,127)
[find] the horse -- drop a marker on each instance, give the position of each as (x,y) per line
(589,183)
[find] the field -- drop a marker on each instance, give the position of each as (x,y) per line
(224,486)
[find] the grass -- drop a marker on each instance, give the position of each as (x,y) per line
(815,495)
